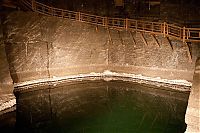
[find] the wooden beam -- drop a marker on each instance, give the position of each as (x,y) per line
(126,22)
(143,39)
(133,39)
(169,42)
(96,28)
(155,40)
(33,5)
(188,51)
(184,35)
(164,27)
(79,16)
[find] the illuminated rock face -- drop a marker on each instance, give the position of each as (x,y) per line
(40,47)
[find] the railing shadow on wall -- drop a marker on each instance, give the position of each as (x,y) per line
(169,30)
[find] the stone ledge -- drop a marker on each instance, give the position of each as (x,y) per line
(171,74)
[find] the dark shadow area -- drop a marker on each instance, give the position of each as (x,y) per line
(7,122)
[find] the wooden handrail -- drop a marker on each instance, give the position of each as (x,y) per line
(181,33)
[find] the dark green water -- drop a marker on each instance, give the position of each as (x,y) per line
(101,107)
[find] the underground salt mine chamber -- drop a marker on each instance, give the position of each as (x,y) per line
(99,66)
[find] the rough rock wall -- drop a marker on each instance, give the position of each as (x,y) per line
(151,60)
(5,79)
(38,47)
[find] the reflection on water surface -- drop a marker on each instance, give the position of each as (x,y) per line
(101,107)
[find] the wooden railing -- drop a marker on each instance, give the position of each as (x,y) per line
(169,30)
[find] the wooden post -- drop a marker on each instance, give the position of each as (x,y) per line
(188,33)
(136,25)
(105,21)
(96,21)
(126,23)
(183,34)
(79,16)
(167,28)
(164,29)
(33,5)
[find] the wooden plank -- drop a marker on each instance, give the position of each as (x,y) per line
(143,39)
(155,40)
(184,35)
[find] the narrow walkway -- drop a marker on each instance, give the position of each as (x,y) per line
(168,30)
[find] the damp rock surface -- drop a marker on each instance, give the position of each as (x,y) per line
(39,47)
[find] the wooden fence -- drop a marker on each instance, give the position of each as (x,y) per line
(169,30)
